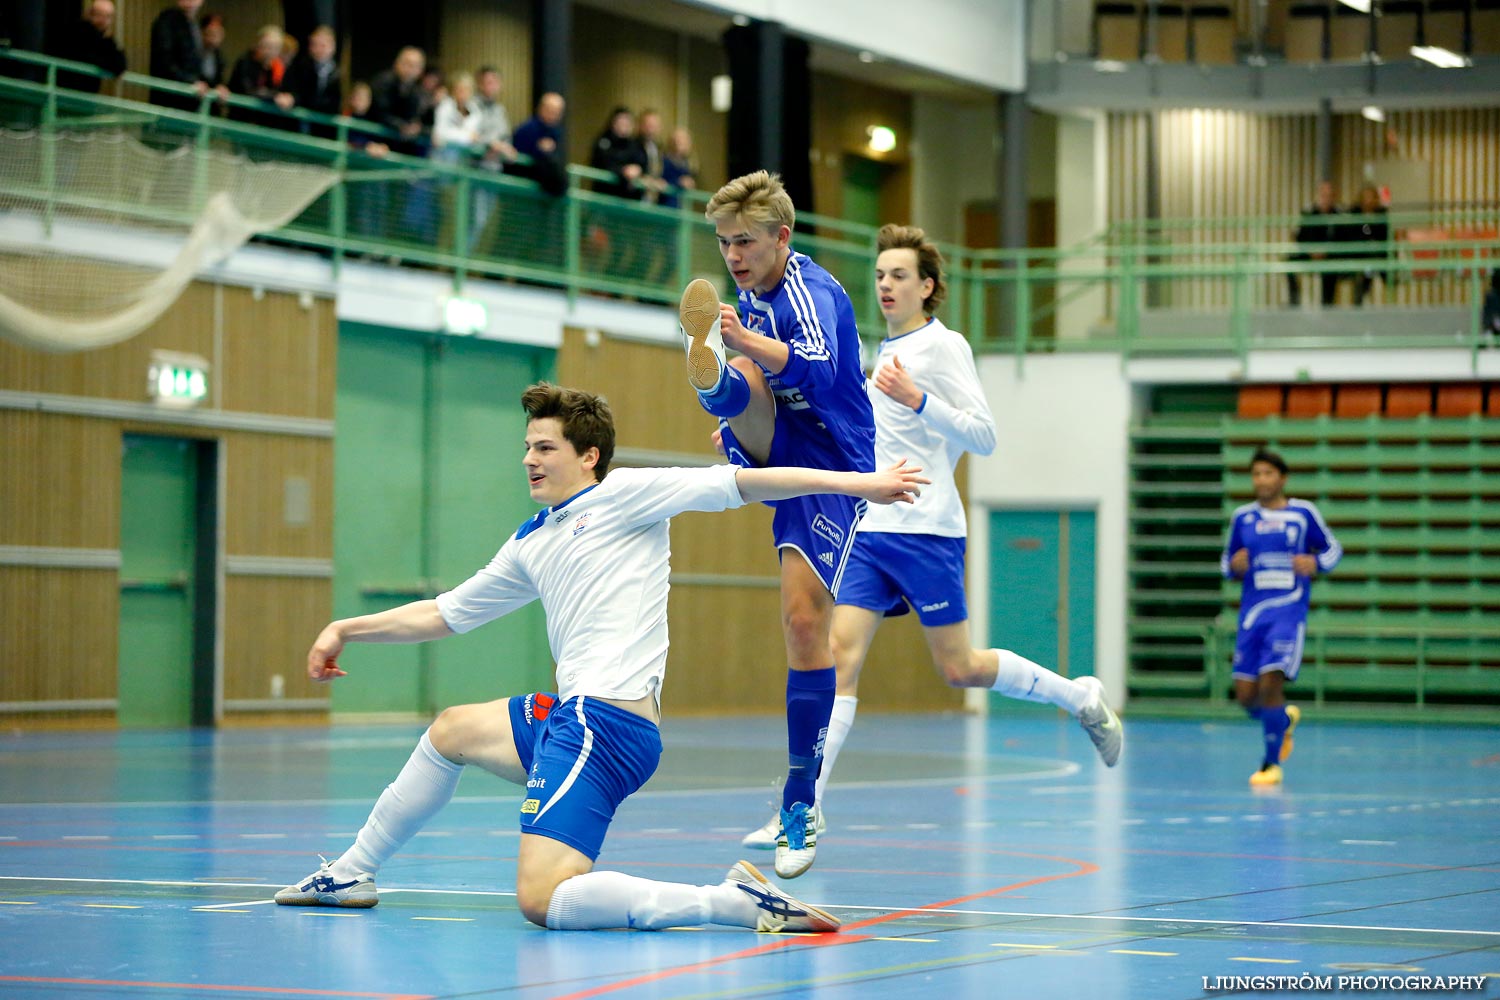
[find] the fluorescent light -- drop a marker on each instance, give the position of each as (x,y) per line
(1109,66)
(741,21)
(866,56)
(882,138)
(1439,56)
(1363,6)
(1373,113)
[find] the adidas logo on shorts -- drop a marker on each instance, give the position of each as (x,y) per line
(826,558)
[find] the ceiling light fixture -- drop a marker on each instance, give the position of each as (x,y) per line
(1439,56)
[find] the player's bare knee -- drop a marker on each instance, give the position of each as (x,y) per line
(534,895)
(449,731)
(805,628)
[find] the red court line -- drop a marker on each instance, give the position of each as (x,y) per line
(843,937)
(289,991)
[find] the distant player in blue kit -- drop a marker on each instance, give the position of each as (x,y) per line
(597,556)
(795,397)
(1276,545)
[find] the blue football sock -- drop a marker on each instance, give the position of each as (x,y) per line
(1274,721)
(1254,711)
(809,706)
(729,398)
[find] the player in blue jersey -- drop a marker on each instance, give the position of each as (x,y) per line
(598,558)
(794,397)
(1276,545)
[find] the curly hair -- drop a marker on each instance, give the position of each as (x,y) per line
(929,259)
(586,419)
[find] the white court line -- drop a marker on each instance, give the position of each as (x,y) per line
(839,906)
(225,906)
(1054,769)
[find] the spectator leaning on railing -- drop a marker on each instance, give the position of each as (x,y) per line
(260,73)
(313,79)
(177,53)
(1370,228)
(91,39)
(539,139)
(211,26)
(1314,229)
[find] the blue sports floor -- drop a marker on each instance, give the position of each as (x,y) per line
(968,858)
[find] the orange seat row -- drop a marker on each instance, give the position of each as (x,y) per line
(1397,400)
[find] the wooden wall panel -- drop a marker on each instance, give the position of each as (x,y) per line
(278,354)
(647,387)
(618,62)
(58,633)
(842,110)
(259,466)
(61,481)
(490,33)
(269,623)
(117,372)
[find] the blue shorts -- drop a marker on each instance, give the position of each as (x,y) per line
(583,757)
(887,571)
(1274,642)
(820,527)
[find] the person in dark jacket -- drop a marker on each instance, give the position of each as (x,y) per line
(313,79)
(91,40)
(1315,229)
(260,73)
(619,151)
(1371,227)
(177,53)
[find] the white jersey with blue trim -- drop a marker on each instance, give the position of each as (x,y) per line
(1272,536)
(599,562)
(821,390)
(954,417)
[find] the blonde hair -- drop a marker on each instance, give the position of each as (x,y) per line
(758,198)
(929,259)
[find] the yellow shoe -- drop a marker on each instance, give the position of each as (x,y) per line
(1293,716)
(1269,774)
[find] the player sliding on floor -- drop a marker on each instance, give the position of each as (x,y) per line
(597,557)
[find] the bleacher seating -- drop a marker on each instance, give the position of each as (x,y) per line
(1412,615)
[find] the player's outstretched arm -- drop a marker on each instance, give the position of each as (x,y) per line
(900,483)
(418,621)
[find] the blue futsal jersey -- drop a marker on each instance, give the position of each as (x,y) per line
(823,415)
(1271,589)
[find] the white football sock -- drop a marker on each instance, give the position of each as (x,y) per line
(839,724)
(1019,678)
(603,900)
(423,787)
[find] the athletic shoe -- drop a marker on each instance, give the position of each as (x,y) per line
(322,889)
(778,911)
(765,838)
(1293,716)
(1269,774)
(699,315)
(1101,723)
(798,840)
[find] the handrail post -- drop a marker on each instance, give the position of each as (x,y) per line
(339,207)
(461,231)
(1126,322)
(1476,310)
(49,150)
(572,230)
(1022,300)
(684,243)
(976,299)
(1239,308)
(200,154)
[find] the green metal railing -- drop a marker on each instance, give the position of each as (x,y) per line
(1161,286)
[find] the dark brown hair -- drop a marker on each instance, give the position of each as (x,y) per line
(586,419)
(929,259)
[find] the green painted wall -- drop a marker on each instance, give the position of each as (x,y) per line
(428,485)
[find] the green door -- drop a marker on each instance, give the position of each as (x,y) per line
(1041,589)
(428,486)
(862,178)
(158,555)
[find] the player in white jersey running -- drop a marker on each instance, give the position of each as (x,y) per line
(597,557)
(928,402)
(1277,545)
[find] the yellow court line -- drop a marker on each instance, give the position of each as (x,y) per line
(451,920)
(16,902)
(1130,951)
(1268,961)
(109,906)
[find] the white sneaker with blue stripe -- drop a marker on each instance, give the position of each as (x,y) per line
(777,911)
(321,888)
(797,843)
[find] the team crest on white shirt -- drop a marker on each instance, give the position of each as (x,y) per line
(580,524)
